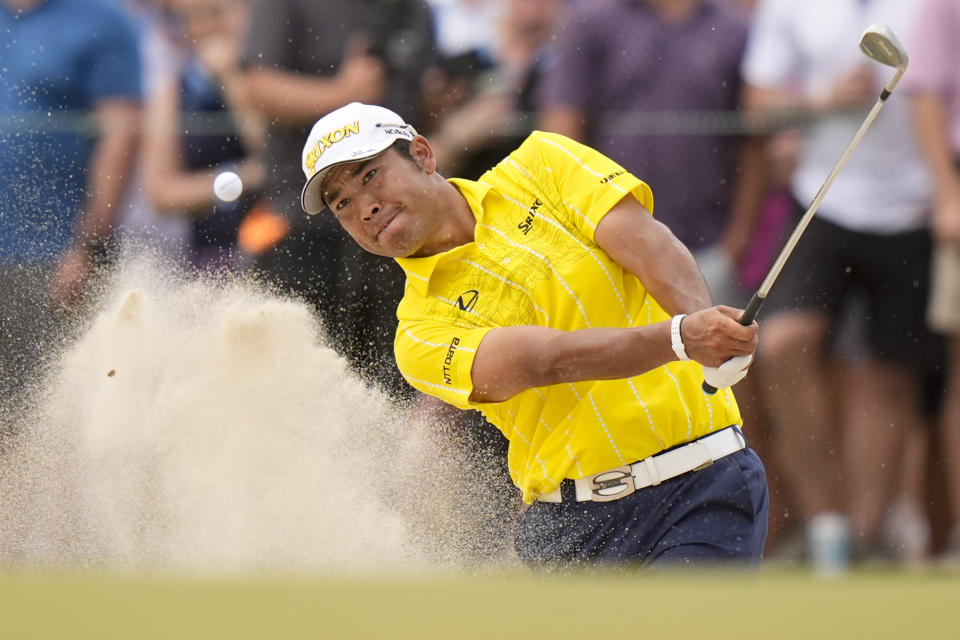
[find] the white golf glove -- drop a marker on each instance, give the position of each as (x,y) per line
(729,373)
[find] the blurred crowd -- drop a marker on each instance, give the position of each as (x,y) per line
(116,115)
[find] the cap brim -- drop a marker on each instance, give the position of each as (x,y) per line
(310,198)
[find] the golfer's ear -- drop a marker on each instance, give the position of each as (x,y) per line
(422,153)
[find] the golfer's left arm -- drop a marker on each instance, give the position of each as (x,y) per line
(648,249)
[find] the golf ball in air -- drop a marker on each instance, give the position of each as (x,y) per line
(227,186)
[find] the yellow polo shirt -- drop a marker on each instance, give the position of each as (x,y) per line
(534,261)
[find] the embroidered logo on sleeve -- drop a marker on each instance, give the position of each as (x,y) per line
(448,361)
(610,177)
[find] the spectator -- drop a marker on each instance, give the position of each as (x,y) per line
(61,178)
(869,238)
(302,63)
(496,111)
(464,26)
(466,33)
(161,55)
(629,80)
(199,124)
(935,84)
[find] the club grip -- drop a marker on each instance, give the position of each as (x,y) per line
(747,318)
(753,308)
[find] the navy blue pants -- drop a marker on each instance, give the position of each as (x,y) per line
(717,515)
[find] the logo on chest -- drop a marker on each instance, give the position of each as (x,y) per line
(527,223)
(468,300)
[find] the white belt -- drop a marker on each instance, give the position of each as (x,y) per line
(620,482)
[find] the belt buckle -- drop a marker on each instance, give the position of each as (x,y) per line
(612,484)
(705,458)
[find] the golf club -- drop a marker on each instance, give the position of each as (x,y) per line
(879,43)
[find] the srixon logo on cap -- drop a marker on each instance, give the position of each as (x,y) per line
(327,141)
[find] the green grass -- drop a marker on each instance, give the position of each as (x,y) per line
(504,605)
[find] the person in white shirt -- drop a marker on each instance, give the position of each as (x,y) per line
(869,239)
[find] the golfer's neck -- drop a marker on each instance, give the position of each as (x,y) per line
(457,224)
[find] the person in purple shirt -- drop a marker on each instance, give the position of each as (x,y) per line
(641,81)
(651,84)
(934,83)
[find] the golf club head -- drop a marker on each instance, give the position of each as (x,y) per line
(880,44)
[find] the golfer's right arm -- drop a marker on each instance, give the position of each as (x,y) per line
(512,359)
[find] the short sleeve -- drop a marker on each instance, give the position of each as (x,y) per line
(113,65)
(769,60)
(588,182)
(932,46)
(437,358)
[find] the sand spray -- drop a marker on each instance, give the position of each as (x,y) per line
(202,422)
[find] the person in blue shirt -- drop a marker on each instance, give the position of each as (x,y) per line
(70,92)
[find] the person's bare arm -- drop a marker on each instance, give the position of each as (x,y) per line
(512,359)
(930,124)
(748,192)
(470,127)
(293,99)
(107,175)
(110,164)
(221,57)
(170,186)
(567,121)
(854,88)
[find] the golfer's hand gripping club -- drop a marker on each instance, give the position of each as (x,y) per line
(746,319)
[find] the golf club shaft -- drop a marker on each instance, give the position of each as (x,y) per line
(753,308)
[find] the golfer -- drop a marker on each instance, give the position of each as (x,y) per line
(546,296)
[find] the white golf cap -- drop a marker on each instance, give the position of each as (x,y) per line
(351,133)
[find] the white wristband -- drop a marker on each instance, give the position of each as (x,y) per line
(676,341)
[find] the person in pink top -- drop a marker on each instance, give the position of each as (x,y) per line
(934,83)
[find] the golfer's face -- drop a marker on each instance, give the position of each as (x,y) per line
(376,202)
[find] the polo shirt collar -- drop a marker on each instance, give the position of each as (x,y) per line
(420,270)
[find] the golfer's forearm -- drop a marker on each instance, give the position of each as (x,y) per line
(513,359)
(605,354)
